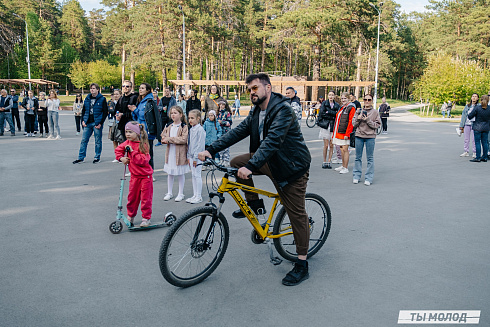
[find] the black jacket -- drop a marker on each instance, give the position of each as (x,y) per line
(122,107)
(153,119)
(384,110)
(482,120)
(193,104)
(283,146)
(326,116)
(36,104)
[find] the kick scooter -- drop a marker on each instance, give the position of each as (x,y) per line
(117,226)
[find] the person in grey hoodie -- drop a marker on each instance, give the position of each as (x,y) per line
(367,121)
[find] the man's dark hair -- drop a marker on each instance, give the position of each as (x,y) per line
(96,86)
(352,94)
(263,78)
(290,88)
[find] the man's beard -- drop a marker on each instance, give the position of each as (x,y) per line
(259,100)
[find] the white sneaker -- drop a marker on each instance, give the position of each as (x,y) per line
(189,200)
(50,137)
(115,161)
(179,198)
(58,137)
(464,154)
(336,160)
(154,179)
(367,183)
(344,170)
(168,196)
(474,155)
(355,181)
(27,135)
(339,168)
(196,200)
(78,133)
(128,174)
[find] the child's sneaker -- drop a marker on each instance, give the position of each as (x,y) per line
(196,200)
(145,222)
(168,196)
(179,197)
(189,200)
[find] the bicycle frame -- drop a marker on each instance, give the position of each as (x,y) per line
(232,188)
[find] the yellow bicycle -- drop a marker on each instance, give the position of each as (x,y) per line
(196,243)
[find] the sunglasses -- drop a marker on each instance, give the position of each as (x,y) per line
(12,91)
(126,86)
(367,100)
(253,88)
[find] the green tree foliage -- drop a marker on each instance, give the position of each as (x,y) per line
(450,79)
(74,26)
(44,52)
(80,74)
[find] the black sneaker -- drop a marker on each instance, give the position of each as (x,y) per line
(483,160)
(78,161)
(475,160)
(297,275)
(257,206)
(96,161)
(324,165)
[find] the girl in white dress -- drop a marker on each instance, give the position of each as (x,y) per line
(176,162)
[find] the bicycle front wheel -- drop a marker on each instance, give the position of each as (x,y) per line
(319,218)
(311,121)
(193,247)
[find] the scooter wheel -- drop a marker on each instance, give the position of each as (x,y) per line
(170,219)
(116,227)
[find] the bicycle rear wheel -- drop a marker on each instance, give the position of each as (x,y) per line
(320,219)
(311,121)
(193,247)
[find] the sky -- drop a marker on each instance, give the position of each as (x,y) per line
(406,5)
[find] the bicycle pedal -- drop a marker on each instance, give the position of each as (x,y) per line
(276,261)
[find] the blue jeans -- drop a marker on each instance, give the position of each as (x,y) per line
(357,172)
(481,141)
(53,122)
(87,133)
(8,117)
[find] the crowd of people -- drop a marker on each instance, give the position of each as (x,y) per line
(475,124)
(38,113)
(193,129)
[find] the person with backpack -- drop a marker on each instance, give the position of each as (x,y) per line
(342,130)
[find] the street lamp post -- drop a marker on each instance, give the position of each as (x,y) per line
(183,43)
(377,54)
(28,60)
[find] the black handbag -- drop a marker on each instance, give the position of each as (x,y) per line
(353,139)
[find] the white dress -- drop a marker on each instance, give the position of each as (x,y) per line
(171,167)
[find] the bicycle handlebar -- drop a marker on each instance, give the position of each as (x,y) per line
(228,170)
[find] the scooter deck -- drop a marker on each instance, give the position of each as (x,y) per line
(152,226)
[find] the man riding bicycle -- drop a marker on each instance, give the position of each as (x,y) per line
(278,150)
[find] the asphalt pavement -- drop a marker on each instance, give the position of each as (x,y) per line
(416,239)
